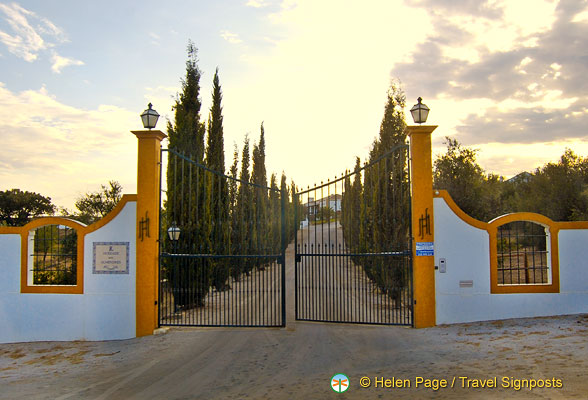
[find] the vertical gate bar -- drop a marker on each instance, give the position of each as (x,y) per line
(274,288)
(308,261)
(342,283)
(284,244)
(258,251)
(197,212)
(265,265)
(375,214)
(385,298)
(354,266)
(183,279)
(322,261)
(213,262)
(308,283)
(220,244)
(160,293)
(175,217)
(406,309)
(246,295)
(311,281)
(341,243)
(309,266)
(344,217)
(190,216)
(203,267)
(338,259)
(364,248)
(302,268)
(410,233)
(329,281)
(270,250)
(310,273)
(195,267)
(182,190)
(312,245)
(314,261)
(296,251)
(271,287)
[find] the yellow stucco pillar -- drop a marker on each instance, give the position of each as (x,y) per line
(422,225)
(147,229)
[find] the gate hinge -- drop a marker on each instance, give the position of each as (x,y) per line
(297,258)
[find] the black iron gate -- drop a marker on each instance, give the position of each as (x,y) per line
(353,248)
(222,248)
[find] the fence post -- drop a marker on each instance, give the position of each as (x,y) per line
(423,233)
(147,249)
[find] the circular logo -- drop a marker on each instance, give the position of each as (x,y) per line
(339,383)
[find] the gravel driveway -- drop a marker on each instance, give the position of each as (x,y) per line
(298,362)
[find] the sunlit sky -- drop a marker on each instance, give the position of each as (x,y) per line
(505,77)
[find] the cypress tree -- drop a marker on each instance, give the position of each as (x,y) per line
(186,136)
(275,215)
(218,190)
(187,132)
(234,212)
(346,210)
(215,151)
(284,194)
(386,199)
(260,198)
(392,183)
(244,221)
(355,207)
(291,215)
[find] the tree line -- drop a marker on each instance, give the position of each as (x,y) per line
(18,207)
(558,190)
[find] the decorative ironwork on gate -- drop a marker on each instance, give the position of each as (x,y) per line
(353,249)
(222,249)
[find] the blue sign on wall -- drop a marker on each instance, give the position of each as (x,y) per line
(425,248)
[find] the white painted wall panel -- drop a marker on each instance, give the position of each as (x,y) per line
(573,260)
(105,311)
(467,252)
(9,264)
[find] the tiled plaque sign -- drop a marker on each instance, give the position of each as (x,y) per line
(111,258)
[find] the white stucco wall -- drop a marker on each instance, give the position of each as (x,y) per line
(467,254)
(105,311)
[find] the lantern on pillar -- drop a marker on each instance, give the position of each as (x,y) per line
(419,112)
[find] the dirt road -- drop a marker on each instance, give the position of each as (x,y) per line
(298,362)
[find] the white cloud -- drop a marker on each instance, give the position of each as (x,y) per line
(60,62)
(26,41)
(62,151)
(32,35)
(230,37)
(257,3)
(155,38)
(581,16)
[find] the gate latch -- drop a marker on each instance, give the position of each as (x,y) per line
(297,258)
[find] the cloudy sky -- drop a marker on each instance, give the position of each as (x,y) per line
(506,77)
